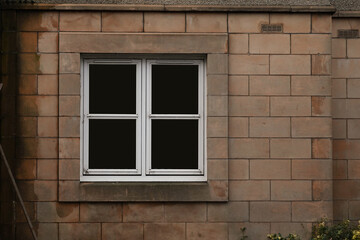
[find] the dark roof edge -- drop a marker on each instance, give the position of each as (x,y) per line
(186,8)
(347,14)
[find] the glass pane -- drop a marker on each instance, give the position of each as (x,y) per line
(112,144)
(174,144)
(112,89)
(175,89)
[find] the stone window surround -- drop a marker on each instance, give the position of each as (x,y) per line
(215,48)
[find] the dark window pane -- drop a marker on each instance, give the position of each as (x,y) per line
(112,144)
(174,144)
(112,89)
(175,89)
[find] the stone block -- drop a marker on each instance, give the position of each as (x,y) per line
(69,84)
(321,106)
(346,149)
(338,48)
(69,106)
(321,64)
(209,231)
(247,22)
(216,127)
(339,128)
(311,211)
(290,148)
(311,44)
(248,106)
(339,108)
(185,212)
(238,169)
(249,190)
(238,43)
(238,127)
(322,190)
(80,21)
(269,127)
(69,127)
(164,231)
(48,84)
(255,231)
(143,212)
(290,106)
(26,126)
(354,210)
(292,23)
(341,210)
(311,169)
(48,42)
(47,230)
(321,23)
(47,127)
(37,148)
(217,148)
(217,169)
(301,229)
(238,85)
(353,88)
(38,21)
(248,64)
(270,169)
(47,169)
(354,169)
(27,42)
(217,64)
(249,148)
(38,191)
(345,68)
(311,85)
(117,231)
(269,43)
(33,63)
(164,22)
(340,169)
(100,212)
(347,190)
(217,85)
(206,22)
(37,106)
(228,212)
(353,128)
(25,169)
(145,43)
(122,21)
(290,64)
(339,88)
(69,169)
(69,63)
(88,231)
(311,127)
(321,148)
(27,84)
(291,190)
(270,211)
(353,49)
(269,85)
(344,23)
(69,148)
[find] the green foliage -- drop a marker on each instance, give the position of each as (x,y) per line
(243,237)
(279,237)
(341,231)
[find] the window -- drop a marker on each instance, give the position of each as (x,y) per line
(143,120)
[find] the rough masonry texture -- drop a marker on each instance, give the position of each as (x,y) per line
(283,125)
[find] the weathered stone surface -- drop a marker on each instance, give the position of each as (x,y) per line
(247,22)
(188,212)
(80,21)
(290,148)
(164,22)
(270,211)
(164,231)
(38,21)
(122,21)
(249,190)
(206,22)
(117,231)
(209,231)
(139,43)
(100,212)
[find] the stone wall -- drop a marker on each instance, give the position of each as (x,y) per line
(271,103)
(346,121)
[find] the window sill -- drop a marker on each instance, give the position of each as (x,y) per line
(211,191)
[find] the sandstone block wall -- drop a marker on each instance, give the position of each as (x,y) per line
(346,121)
(269,100)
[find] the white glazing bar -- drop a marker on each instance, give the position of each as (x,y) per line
(112,116)
(174,116)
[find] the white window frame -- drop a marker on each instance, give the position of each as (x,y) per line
(143,116)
